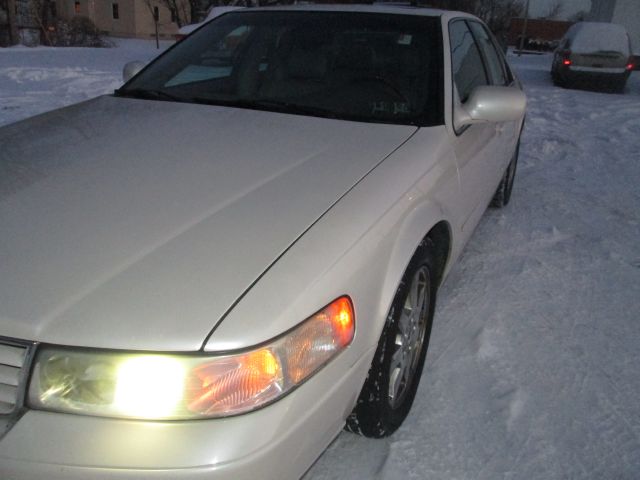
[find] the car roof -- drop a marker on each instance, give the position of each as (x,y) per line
(590,37)
(385,8)
(216,11)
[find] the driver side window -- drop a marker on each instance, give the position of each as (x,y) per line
(467,67)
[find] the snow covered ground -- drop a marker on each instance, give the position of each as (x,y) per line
(533,371)
(534,366)
(35,80)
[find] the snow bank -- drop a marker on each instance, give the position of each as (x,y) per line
(36,80)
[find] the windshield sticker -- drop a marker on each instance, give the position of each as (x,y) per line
(394,108)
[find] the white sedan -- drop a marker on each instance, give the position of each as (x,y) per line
(211,272)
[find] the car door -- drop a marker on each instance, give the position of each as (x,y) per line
(499,75)
(475,146)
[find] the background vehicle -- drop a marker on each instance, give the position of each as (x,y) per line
(595,53)
(207,274)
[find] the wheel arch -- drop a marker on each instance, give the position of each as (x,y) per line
(412,236)
(440,235)
(406,255)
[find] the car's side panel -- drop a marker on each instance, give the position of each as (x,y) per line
(478,148)
(360,248)
(477,151)
(436,198)
(499,75)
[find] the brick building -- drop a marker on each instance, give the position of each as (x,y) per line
(541,32)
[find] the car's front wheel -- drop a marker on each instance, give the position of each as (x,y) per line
(388,393)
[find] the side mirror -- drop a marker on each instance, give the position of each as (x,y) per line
(491,104)
(131,69)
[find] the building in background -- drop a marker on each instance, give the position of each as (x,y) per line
(623,12)
(128,18)
(33,19)
(540,34)
(26,28)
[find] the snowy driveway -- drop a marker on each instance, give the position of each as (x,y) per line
(534,366)
(35,80)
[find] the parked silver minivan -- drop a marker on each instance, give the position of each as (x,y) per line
(596,53)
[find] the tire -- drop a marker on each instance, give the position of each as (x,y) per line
(390,388)
(557,78)
(559,82)
(503,193)
(563,81)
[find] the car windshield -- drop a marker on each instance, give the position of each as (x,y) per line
(359,66)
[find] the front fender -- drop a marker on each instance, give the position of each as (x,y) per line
(360,248)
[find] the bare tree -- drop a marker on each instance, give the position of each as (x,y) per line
(40,13)
(496,13)
(199,9)
(11,21)
(177,9)
(180,11)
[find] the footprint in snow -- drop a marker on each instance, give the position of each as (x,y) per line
(510,403)
(516,406)
(485,346)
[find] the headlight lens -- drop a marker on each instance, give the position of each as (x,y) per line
(172,387)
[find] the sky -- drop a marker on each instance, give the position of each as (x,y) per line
(569,7)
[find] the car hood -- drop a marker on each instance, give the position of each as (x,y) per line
(137,224)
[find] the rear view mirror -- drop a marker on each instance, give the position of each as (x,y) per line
(491,104)
(131,69)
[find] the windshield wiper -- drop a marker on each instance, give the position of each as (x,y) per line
(287,107)
(148,94)
(269,105)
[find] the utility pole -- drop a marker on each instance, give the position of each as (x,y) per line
(155,13)
(11,20)
(524,28)
(156,19)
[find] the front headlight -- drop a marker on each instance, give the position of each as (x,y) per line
(173,387)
